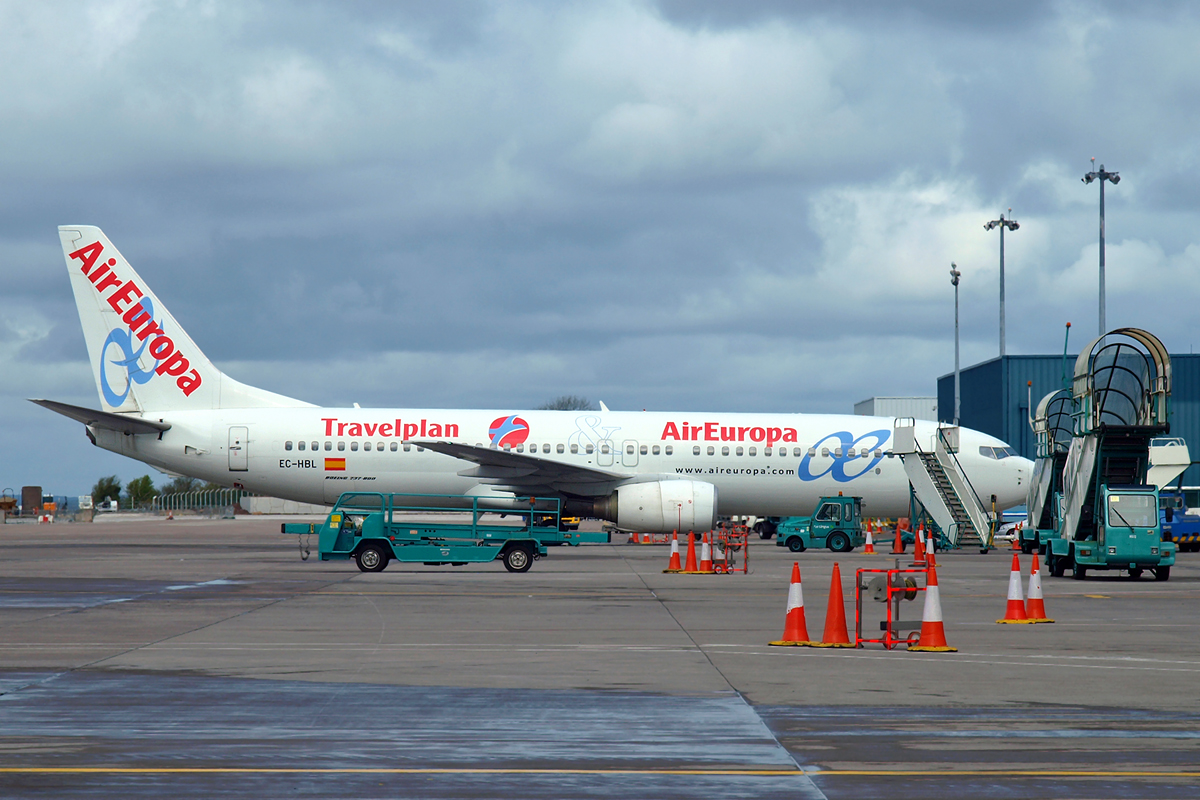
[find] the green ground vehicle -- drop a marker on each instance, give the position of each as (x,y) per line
(1108,515)
(1053,430)
(836,524)
(373,529)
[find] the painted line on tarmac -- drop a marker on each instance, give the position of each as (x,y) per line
(737,773)
(731,773)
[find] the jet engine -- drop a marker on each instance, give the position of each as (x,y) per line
(661,506)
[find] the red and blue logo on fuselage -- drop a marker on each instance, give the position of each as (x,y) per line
(510,431)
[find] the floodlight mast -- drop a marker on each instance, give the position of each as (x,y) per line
(1101,175)
(1012,225)
(954,276)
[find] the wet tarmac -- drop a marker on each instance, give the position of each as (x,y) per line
(205,659)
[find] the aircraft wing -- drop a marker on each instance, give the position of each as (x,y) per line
(122,423)
(522,473)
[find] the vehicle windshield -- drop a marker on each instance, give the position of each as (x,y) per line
(831,512)
(1132,510)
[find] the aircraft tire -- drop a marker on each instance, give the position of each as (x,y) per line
(371,558)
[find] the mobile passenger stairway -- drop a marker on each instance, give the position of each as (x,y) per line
(939,482)
(1108,517)
(1053,431)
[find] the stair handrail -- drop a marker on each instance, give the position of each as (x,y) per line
(961,471)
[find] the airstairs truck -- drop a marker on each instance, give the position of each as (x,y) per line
(1053,428)
(1108,513)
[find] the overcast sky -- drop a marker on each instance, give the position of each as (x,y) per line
(674,206)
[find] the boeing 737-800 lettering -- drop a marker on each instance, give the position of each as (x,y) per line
(164,403)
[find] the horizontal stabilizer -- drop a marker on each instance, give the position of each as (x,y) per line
(103,419)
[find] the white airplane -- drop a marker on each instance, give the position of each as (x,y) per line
(164,403)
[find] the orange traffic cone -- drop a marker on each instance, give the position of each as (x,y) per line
(1016,541)
(1035,608)
(836,633)
(933,633)
(919,547)
(673,565)
(706,564)
(795,629)
(869,547)
(898,545)
(690,564)
(1016,603)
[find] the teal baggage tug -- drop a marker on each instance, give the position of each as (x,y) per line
(836,524)
(373,529)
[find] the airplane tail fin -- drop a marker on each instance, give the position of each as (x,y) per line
(141,358)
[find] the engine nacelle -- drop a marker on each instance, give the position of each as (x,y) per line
(661,506)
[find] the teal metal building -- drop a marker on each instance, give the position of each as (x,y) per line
(995,398)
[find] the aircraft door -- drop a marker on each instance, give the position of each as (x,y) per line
(239,437)
(604,453)
(629,453)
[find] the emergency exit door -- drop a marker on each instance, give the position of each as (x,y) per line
(239,435)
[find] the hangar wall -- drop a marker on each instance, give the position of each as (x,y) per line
(995,395)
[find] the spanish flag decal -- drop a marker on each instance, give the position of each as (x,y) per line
(335,465)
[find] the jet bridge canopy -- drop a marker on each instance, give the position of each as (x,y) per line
(1121,379)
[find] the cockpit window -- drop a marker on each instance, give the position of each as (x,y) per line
(996,452)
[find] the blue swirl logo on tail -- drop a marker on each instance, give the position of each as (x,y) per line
(127,357)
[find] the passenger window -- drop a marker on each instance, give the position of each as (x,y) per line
(559,449)
(546,448)
(520,448)
(590,449)
(712,450)
(574,449)
(878,453)
(766,451)
(644,450)
(420,449)
(342,446)
(753,451)
(300,446)
(668,449)
(394,447)
(367,446)
(407,448)
(379,446)
(824,452)
(329,445)
(655,449)
(629,449)
(724,451)
(354,445)
(737,452)
(604,449)
(696,450)
(837,452)
(507,448)
(850,452)
(287,445)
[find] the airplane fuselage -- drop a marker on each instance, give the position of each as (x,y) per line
(765,464)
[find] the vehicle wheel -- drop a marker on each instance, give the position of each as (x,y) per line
(1162,573)
(1057,566)
(796,544)
(518,559)
(1026,547)
(839,542)
(371,559)
(1080,572)
(1134,574)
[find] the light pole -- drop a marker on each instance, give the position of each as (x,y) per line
(1102,176)
(1012,225)
(954,276)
